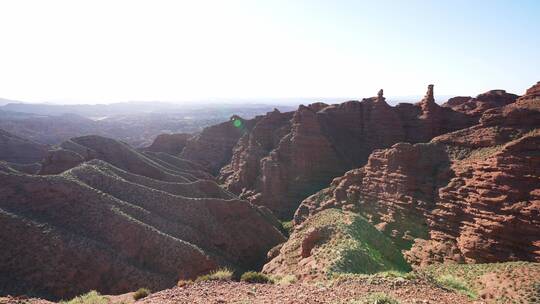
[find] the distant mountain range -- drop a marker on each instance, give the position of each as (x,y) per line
(239,106)
(136,123)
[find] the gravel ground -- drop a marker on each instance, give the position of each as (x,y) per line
(405,291)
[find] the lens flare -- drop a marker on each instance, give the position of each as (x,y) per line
(237,123)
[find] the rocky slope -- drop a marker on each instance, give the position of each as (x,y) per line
(121,221)
(477,106)
(19,150)
(494,194)
(288,156)
(171,144)
(153,165)
(463,197)
(365,290)
(212,148)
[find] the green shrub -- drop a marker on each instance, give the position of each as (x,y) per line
(92,297)
(378,298)
(287,227)
(451,282)
(255,277)
(362,248)
(141,293)
(397,274)
(222,274)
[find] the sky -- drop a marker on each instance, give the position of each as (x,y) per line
(97,51)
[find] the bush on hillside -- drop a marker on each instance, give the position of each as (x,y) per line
(141,293)
(378,298)
(284,280)
(255,277)
(222,274)
(92,297)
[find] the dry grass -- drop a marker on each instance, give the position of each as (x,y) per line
(376,298)
(141,293)
(454,283)
(510,282)
(255,277)
(222,274)
(92,297)
(285,280)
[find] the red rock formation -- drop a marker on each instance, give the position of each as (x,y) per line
(240,175)
(322,142)
(19,150)
(169,143)
(212,148)
(290,171)
(463,197)
(480,212)
(388,190)
(477,106)
(495,194)
(313,235)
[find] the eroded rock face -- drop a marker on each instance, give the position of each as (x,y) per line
(18,150)
(483,209)
(463,197)
(240,175)
(212,148)
(477,106)
(313,235)
(288,156)
(393,190)
(494,196)
(169,143)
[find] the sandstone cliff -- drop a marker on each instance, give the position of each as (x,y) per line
(288,156)
(462,197)
(212,148)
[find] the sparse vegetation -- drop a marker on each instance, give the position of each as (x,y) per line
(92,297)
(255,277)
(287,227)
(222,274)
(285,280)
(182,283)
(456,284)
(367,250)
(494,282)
(397,274)
(141,293)
(376,298)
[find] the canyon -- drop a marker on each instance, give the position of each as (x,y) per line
(367,188)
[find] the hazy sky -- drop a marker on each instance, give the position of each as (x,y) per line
(103,51)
